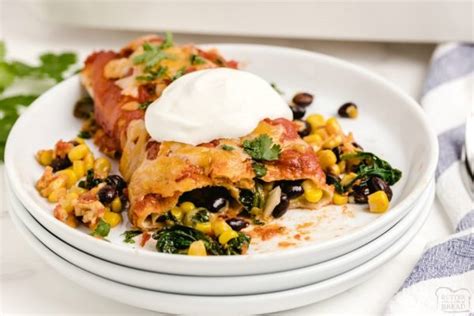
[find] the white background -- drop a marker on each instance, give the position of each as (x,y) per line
(29,286)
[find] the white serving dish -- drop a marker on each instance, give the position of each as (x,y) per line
(228,305)
(233,285)
(384,109)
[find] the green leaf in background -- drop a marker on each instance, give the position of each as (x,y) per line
(52,66)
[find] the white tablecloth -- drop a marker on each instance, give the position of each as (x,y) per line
(29,286)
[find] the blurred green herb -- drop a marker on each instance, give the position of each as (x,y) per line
(51,66)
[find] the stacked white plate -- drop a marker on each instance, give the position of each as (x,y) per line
(343,248)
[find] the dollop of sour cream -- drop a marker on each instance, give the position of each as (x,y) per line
(210,104)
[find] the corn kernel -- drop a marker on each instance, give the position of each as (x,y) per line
(56,195)
(342,166)
(311,193)
(227,235)
(78,152)
(177,212)
(334,170)
(77,190)
(56,184)
(79,168)
(333,142)
(187,206)
(116,205)
(327,158)
(71,177)
(322,133)
(313,139)
(352,111)
(378,202)
(219,226)
(197,248)
(102,167)
(347,179)
(45,157)
(79,140)
(315,120)
(89,161)
(205,228)
(111,218)
(67,202)
(332,126)
(340,199)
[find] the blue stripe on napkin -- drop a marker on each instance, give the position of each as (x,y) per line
(451,143)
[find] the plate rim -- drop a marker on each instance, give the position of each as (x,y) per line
(379,245)
(341,282)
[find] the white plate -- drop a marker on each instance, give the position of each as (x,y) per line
(383,112)
(236,285)
(222,305)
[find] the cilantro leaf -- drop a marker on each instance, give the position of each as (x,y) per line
(153,74)
(227,147)
(262,148)
(168,41)
(259,169)
(129,235)
(144,105)
(196,60)
(102,229)
(179,73)
(151,56)
(9,108)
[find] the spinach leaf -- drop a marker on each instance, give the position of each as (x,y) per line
(129,235)
(238,245)
(178,238)
(370,166)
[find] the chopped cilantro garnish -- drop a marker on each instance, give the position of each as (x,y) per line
(168,41)
(275,87)
(153,74)
(102,229)
(178,73)
(262,148)
(259,169)
(197,60)
(227,147)
(151,56)
(144,105)
(129,235)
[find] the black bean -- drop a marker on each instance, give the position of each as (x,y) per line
(282,207)
(361,193)
(298,111)
(303,99)
(338,152)
(292,189)
(125,202)
(376,184)
(237,224)
(216,204)
(117,182)
(304,128)
(348,109)
(107,194)
(59,163)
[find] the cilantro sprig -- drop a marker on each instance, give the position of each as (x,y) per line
(153,54)
(129,235)
(261,149)
(50,69)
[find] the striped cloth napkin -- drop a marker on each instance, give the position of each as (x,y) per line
(442,282)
